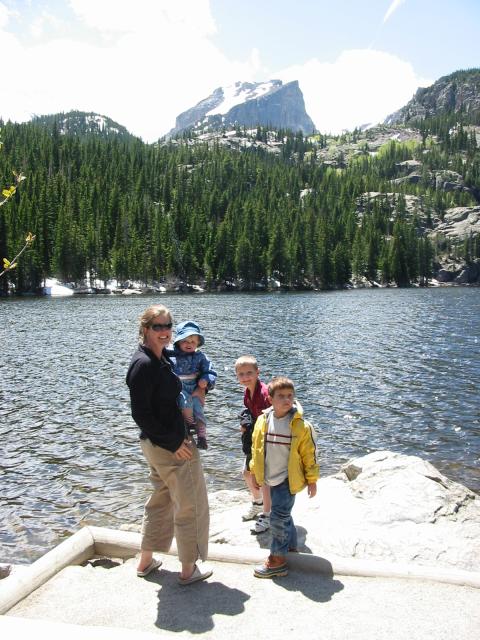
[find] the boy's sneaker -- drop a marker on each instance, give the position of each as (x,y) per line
(262,524)
(272,567)
(202,443)
(254,510)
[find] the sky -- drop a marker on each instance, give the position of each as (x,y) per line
(143,62)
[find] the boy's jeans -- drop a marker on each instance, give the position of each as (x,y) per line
(284,533)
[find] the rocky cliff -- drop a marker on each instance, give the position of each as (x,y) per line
(248,104)
(459,91)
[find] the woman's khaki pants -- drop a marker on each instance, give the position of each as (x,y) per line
(178,505)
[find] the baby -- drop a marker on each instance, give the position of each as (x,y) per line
(197,375)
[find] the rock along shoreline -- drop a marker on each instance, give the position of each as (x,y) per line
(384,506)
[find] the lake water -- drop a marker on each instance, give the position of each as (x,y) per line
(374,369)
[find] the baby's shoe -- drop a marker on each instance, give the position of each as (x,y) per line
(202,443)
(190,427)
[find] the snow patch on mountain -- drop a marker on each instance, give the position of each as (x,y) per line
(239,93)
(248,104)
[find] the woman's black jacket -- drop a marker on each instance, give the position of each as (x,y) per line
(154,390)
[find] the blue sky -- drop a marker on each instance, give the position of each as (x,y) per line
(142,62)
(435,36)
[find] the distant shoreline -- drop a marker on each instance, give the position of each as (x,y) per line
(187,289)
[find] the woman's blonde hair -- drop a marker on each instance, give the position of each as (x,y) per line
(149,315)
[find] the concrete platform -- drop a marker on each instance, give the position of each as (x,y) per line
(64,594)
(109,599)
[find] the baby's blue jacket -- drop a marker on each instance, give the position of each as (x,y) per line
(192,363)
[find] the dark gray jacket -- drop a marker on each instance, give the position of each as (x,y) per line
(154,390)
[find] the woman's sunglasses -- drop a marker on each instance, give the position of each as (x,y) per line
(161,327)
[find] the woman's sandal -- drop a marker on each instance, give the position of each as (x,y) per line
(196,576)
(151,567)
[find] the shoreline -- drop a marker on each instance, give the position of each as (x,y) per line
(382,507)
(198,289)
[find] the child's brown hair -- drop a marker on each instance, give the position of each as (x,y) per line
(243,360)
(280,382)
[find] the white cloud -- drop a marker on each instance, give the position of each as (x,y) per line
(148,61)
(142,63)
(3,16)
(391,9)
(146,16)
(45,21)
(361,86)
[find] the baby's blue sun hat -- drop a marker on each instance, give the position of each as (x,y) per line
(186,329)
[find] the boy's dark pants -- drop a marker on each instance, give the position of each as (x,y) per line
(284,534)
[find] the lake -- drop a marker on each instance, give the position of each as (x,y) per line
(393,369)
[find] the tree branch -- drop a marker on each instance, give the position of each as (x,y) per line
(9,265)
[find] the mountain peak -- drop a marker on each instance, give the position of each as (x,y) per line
(269,103)
(240,92)
(457,92)
(82,123)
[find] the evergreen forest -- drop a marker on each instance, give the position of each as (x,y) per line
(113,207)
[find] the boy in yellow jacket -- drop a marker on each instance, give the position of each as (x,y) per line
(283,457)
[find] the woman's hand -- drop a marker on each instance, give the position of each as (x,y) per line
(184,451)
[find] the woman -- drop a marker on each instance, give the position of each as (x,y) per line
(178,505)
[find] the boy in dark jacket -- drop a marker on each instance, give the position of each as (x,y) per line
(255,399)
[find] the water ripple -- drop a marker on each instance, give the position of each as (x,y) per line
(380,369)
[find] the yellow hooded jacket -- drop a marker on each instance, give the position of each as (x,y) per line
(302,464)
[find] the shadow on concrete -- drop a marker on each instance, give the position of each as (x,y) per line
(264,540)
(104,563)
(192,608)
(319,588)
